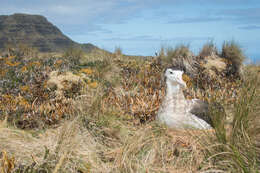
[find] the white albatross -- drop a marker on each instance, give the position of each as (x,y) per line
(175,110)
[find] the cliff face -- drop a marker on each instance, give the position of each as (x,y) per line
(35,31)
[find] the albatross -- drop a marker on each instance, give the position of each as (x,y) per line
(177,112)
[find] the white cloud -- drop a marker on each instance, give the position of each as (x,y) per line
(148,38)
(77,12)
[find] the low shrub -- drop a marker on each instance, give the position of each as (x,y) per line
(234,54)
(208,49)
(234,147)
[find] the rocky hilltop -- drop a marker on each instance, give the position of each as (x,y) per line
(35,31)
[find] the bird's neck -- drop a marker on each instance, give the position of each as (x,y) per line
(174,90)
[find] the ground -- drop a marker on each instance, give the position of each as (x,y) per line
(105,120)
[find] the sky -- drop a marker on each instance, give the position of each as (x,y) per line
(142,27)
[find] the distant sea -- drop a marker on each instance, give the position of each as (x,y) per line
(253,59)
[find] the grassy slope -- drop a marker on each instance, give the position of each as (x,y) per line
(104,134)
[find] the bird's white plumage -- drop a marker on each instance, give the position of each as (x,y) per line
(175,109)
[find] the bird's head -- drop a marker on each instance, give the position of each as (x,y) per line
(176,76)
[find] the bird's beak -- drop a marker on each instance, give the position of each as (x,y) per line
(183,79)
(183,84)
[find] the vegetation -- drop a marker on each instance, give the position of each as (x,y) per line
(74,54)
(235,147)
(95,112)
(118,51)
(208,49)
(232,52)
(167,55)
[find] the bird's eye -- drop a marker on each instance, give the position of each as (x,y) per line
(171,72)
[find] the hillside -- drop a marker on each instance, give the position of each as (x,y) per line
(37,32)
(97,112)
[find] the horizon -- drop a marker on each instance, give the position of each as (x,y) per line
(142,28)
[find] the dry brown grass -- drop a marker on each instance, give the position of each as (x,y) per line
(208,49)
(140,92)
(148,148)
(112,129)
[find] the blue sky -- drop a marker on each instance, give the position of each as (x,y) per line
(141,27)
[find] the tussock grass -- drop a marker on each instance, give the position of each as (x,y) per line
(233,53)
(96,142)
(169,55)
(208,49)
(234,148)
(179,51)
(74,54)
(118,51)
(112,129)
